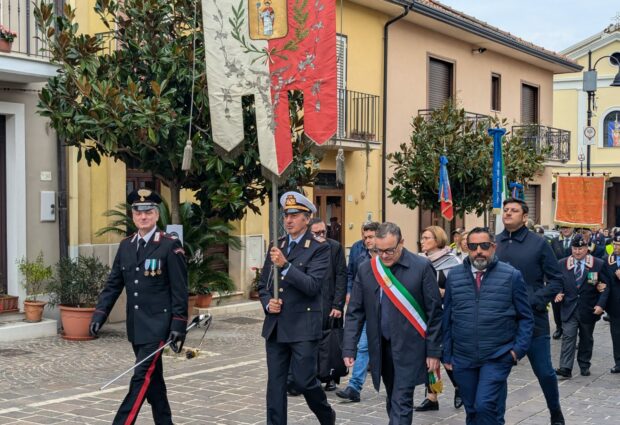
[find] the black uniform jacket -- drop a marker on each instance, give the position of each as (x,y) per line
(335,287)
(300,291)
(157,303)
(409,349)
(580,297)
(613,301)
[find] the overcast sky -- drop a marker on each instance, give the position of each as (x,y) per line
(552,24)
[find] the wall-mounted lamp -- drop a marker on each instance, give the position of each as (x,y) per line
(478,51)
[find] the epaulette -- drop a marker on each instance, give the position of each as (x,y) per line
(589,261)
(157,236)
(172,236)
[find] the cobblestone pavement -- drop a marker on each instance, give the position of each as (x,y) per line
(53,381)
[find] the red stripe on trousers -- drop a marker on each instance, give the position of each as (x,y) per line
(145,386)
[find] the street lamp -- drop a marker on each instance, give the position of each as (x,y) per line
(589,85)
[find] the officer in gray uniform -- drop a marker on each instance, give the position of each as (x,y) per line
(293,322)
(150,266)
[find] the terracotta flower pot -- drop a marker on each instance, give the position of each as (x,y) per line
(75,322)
(5,45)
(204,300)
(33,311)
(8,303)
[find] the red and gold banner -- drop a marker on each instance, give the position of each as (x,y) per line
(580,201)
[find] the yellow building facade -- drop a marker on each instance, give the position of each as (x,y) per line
(571,106)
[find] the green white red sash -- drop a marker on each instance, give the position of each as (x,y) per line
(400,297)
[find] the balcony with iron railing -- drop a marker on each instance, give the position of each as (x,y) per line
(27,61)
(358,121)
(554,141)
(474,117)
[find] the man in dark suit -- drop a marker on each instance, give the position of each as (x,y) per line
(293,315)
(594,249)
(562,249)
(150,265)
(335,284)
(613,301)
(582,305)
(396,294)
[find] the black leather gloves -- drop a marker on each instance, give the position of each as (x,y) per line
(177,339)
(93,328)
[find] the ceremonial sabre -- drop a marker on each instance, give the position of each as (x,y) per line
(200,320)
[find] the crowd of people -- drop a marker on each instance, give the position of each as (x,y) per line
(473,307)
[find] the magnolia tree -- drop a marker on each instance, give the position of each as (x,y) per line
(127,95)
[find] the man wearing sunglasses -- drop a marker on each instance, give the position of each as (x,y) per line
(534,258)
(396,294)
(487,327)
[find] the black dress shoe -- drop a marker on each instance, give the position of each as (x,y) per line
(458,401)
(557,334)
(585,371)
(331,386)
(564,373)
(293,392)
(349,394)
(427,405)
(557,418)
(615,369)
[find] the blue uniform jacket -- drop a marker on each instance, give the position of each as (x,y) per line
(300,318)
(534,258)
(485,324)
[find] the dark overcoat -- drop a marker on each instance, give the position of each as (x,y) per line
(409,349)
(300,318)
(335,284)
(157,302)
(580,297)
(613,300)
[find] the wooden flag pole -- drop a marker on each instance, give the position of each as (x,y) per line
(274,234)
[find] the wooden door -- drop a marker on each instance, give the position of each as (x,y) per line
(330,208)
(3,265)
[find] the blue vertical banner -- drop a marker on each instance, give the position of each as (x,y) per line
(445,193)
(499,182)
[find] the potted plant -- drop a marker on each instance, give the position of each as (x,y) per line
(35,273)
(75,289)
(6,38)
(254,286)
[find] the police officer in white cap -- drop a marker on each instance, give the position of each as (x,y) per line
(293,322)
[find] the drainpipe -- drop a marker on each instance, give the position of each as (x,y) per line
(385,73)
(63,216)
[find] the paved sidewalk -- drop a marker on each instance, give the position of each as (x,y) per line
(52,381)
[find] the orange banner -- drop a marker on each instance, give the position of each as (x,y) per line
(580,201)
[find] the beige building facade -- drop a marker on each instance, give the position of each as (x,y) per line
(571,106)
(437,53)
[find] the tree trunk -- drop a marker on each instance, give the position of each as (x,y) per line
(175,202)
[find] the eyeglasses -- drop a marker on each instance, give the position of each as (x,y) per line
(472,246)
(320,233)
(389,252)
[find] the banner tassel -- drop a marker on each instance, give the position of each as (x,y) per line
(340,166)
(187,156)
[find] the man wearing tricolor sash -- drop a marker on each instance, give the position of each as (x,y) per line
(397,295)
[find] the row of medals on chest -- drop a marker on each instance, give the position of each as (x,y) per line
(152,266)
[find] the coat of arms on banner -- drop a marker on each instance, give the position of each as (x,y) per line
(268,19)
(266,48)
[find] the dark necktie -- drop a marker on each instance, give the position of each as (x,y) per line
(578,271)
(479,279)
(141,248)
(385,321)
(566,243)
(291,247)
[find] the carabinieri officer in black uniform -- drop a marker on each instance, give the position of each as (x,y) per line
(150,265)
(293,322)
